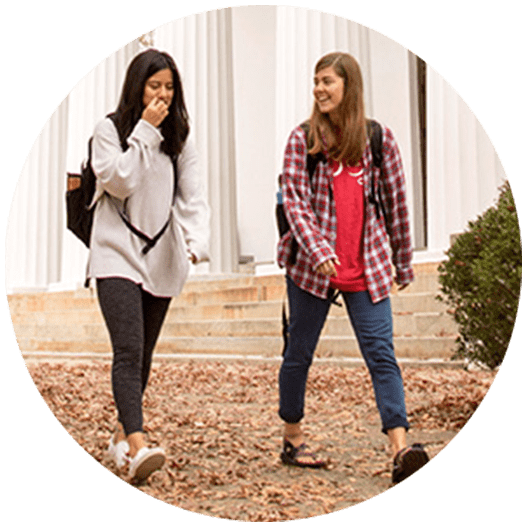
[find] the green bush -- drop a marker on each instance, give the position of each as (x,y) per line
(481,280)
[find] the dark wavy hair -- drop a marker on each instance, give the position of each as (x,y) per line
(175,127)
(346,141)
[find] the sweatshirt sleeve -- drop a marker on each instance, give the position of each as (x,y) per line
(192,210)
(120,173)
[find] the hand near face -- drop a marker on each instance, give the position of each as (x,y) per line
(155,112)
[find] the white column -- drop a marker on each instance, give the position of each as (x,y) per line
(202,48)
(389,85)
(464,172)
(96,95)
(34,234)
(254,52)
(40,252)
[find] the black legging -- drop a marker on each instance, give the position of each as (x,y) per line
(134,319)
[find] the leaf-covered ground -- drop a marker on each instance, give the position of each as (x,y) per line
(219,426)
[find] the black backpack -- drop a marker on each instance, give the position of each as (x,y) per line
(375,134)
(79,195)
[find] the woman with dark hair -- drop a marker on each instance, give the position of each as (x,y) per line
(343,247)
(150,219)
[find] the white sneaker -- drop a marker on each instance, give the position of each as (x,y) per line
(146,461)
(117,452)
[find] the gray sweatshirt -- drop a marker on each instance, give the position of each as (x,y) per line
(143,176)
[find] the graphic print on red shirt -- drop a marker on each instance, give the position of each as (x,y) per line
(348,194)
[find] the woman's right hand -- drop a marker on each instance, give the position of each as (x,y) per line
(328,267)
(155,112)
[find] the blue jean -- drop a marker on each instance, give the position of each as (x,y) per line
(372,324)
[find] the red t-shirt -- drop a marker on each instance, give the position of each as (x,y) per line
(348,194)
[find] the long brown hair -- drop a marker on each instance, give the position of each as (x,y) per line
(346,142)
(175,128)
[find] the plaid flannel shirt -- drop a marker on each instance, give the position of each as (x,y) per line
(310,210)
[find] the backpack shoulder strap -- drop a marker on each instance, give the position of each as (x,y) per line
(312,160)
(305,127)
(375,135)
(174,164)
(124,144)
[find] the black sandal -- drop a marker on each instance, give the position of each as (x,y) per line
(290,454)
(408,461)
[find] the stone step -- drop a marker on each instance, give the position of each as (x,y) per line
(193,312)
(402,303)
(200,291)
(80,300)
(230,315)
(430,347)
(229,318)
(423,308)
(419,325)
(425,280)
(58,318)
(406,347)
(347,362)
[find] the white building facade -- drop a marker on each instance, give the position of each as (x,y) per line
(247,75)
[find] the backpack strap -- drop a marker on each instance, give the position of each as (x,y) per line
(312,160)
(375,134)
(149,242)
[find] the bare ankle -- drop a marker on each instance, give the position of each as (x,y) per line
(397,438)
(119,435)
(136,442)
(294,434)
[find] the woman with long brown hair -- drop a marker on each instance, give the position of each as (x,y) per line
(342,240)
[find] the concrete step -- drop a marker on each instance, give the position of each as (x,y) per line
(421,324)
(58,318)
(403,304)
(52,311)
(230,315)
(202,291)
(406,347)
(430,347)
(23,303)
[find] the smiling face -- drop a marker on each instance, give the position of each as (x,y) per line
(160,85)
(328,92)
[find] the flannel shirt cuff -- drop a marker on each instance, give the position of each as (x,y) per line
(321,255)
(404,275)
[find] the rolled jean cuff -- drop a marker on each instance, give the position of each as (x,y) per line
(403,424)
(290,420)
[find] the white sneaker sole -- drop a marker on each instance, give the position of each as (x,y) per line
(150,463)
